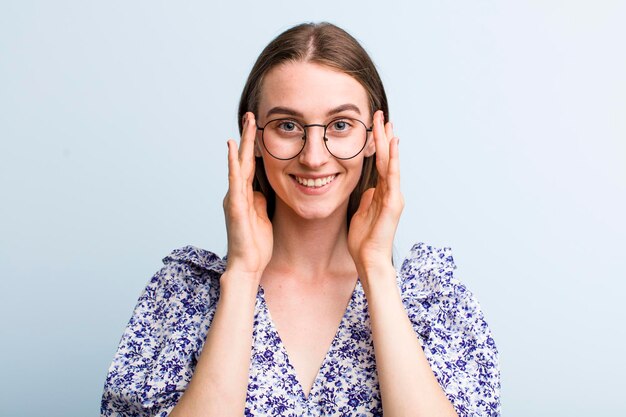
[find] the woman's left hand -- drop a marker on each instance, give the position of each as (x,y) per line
(373,226)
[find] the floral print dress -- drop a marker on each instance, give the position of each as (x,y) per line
(161,345)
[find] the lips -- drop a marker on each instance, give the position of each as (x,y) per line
(315,182)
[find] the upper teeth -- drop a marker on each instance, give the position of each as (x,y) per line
(317,182)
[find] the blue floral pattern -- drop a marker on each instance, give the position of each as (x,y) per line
(160,347)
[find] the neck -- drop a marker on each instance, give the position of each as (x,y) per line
(310,249)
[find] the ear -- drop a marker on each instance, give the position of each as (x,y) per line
(370,147)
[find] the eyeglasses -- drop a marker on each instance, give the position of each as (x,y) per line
(344,137)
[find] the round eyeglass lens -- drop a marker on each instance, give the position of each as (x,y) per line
(283,138)
(344,138)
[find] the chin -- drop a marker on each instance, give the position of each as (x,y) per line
(315,213)
(308,211)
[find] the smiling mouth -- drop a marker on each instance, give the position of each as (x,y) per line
(314,183)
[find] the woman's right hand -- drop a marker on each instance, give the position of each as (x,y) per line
(249,230)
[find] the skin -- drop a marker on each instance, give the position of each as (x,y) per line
(307,287)
(307,260)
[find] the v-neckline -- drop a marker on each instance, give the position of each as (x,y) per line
(283,348)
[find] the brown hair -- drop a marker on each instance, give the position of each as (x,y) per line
(325,44)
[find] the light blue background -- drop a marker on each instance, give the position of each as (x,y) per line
(113,125)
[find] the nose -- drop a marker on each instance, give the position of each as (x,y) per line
(315,153)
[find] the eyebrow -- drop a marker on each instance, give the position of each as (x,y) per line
(292,112)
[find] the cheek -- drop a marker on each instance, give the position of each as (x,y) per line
(273,170)
(355,174)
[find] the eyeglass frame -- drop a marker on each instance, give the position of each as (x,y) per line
(304,138)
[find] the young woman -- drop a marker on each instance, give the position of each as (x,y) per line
(307,314)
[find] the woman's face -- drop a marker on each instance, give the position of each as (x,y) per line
(312,94)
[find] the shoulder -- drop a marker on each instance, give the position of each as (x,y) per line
(433,294)
(200,260)
(185,290)
(456,339)
(188,268)
(161,343)
(188,281)
(427,270)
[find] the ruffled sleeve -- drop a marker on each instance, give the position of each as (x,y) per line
(455,337)
(160,346)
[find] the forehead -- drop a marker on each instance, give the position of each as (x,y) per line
(310,89)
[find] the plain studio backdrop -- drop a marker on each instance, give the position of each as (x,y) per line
(114,118)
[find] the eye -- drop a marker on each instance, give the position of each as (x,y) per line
(341,125)
(288,126)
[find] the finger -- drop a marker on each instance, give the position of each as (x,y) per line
(382,145)
(246,151)
(393,174)
(243,135)
(233,163)
(233,196)
(390,137)
(389,131)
